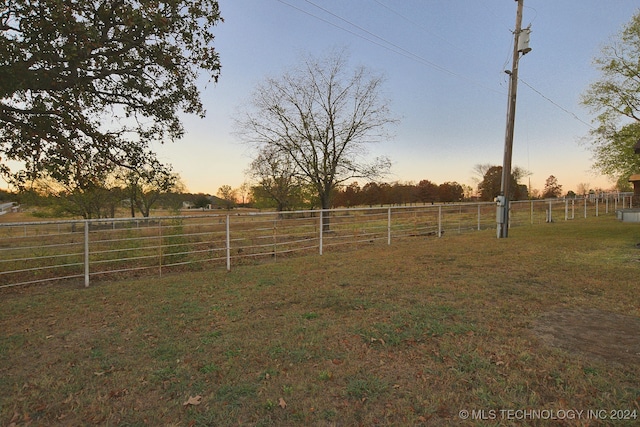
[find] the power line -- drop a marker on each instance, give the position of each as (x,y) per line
(386,44)
(417,24)
(460,49)
(394,48)
(572,114)
(334,25)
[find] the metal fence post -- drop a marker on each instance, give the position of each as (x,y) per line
(585,207)
(160,249)
(531,212)
(321,226)
(566,209)
(228,239)
(275,238)
(478,217)
(440,221)
(86,254)
(389,226)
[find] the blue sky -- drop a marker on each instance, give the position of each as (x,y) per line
(444,65)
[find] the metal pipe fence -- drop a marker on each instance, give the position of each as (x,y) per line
(88,250)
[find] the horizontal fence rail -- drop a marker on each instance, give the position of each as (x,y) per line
(87,250)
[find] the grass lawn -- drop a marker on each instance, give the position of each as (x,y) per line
(408,334)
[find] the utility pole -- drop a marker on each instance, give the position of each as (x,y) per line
(520,45)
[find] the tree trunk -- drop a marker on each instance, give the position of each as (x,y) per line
(132,200)
(325,201)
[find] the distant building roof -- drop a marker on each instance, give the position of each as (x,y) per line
(634,178)
(7,207)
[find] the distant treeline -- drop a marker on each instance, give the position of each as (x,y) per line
(400,193)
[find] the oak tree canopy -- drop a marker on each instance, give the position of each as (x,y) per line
(615,100)
(98,77)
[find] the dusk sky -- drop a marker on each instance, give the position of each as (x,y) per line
(444,64)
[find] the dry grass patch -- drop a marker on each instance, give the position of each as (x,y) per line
(403,335)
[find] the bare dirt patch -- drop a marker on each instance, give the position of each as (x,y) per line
(592,333)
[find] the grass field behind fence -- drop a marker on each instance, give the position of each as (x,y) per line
(407,334)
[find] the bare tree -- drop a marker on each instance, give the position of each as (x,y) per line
(243,191)
(322,115)
(146,180)
(583,188)
(480,170)
(276,176)
(228,194)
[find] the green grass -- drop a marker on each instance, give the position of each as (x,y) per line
(407,334)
